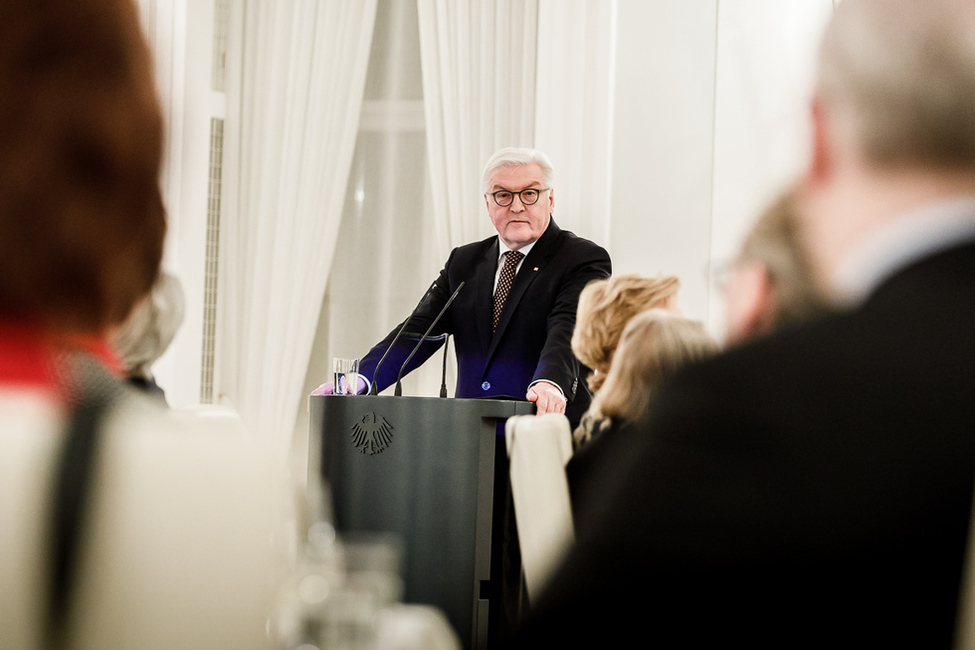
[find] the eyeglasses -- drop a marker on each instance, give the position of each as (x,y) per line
(529,196)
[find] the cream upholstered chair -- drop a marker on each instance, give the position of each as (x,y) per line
(538,448)
(184,540)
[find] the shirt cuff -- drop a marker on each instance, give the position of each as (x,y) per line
(547,381)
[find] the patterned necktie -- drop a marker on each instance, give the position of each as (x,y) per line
(511,259)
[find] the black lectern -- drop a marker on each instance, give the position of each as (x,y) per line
(427,469)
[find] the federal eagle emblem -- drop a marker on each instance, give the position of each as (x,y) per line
(371,434)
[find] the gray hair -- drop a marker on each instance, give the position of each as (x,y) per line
(899,75)
(513,156)
(151,326)
(776,243)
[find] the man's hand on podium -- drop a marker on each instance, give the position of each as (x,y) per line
(547,397)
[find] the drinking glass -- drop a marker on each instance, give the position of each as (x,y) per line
(346,380)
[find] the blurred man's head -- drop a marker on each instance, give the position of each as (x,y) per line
(81,215)
(770,284)
(893,119)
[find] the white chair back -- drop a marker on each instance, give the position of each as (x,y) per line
(538,448)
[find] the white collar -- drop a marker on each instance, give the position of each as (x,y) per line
(913,236)
(524,250)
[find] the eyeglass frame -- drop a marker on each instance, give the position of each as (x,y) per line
(494,196)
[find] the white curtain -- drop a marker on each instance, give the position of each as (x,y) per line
(574,109)
(478,61)
(388,255)
(295,79)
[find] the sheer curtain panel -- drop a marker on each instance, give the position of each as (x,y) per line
(574,109)
(478,60)
(295,76)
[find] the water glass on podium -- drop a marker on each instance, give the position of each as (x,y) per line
(346,376)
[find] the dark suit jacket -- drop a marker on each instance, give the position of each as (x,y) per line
(811,489)
(533,334)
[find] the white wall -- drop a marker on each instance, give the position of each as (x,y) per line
(765,64)
(709,123)
(663,143)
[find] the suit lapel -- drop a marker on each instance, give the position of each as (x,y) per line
(539,257)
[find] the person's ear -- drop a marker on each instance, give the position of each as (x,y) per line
(751,303)
(551,202)
(822,160)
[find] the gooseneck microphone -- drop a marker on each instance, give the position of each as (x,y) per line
(399,385)
(372,389)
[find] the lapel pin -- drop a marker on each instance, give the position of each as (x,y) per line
(535,269)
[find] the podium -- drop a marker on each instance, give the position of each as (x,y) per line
(433,471)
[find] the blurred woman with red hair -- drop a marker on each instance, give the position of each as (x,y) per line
(117,528)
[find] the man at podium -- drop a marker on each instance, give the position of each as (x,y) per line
(513,318)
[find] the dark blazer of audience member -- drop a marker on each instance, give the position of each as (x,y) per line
(770,284)
(654,344)
(813,487)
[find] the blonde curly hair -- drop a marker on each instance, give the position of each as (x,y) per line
(654,344)
(605,307)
